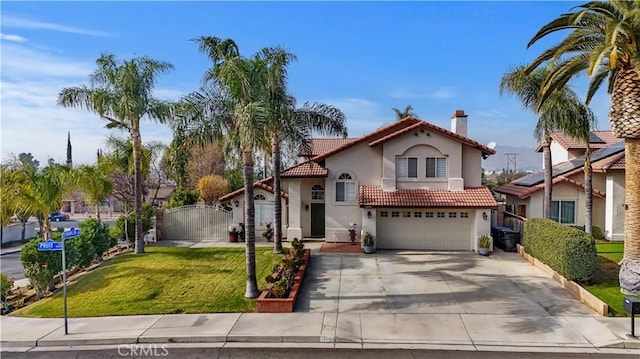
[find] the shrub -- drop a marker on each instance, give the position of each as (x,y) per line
(183,197)
(596,231)
(98,235)
(268,233)
(118,231)
(39,275)
(30,254)
(569,251)
(6,284)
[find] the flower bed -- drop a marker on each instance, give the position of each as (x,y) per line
(282,291)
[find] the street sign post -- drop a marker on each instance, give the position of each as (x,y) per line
(51,245)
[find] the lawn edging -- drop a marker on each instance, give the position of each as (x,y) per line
(284,305)
(574,288)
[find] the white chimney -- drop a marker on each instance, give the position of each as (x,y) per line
(459,123)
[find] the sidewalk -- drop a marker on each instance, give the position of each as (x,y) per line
(11,249)
(461,332)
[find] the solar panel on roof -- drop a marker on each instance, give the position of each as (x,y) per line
(564,167)
(593,138)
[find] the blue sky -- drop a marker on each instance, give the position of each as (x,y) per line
(363,57)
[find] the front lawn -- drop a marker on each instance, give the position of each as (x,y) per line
(163,280)
(604,284)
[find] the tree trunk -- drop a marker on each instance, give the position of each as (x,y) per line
(630,268)
(277,204)
(548,176)
(136,141)
(46,228)
(249,225)
(24,230)
(98,212)
(588,190)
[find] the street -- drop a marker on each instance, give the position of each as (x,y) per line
(11,266)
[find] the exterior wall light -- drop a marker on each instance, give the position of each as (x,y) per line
(306,207)
(368,214)
(236,202)
(484,215)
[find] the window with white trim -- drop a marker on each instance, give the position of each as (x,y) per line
(464,214)
(259,197)
(264,210)
(428,214)
(384,214)
(436,167)
(563,211)
(395,214)
(407,167)
(440,214)
(345,188)
(317,192)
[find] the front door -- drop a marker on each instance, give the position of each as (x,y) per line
(317,219)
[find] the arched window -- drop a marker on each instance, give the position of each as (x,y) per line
(345,188)
(264,210)
(259,197)
(317,192)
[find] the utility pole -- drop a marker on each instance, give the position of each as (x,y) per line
(512,164)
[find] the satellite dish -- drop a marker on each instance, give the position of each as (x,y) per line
(491,145)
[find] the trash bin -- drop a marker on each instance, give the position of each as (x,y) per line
(510,237)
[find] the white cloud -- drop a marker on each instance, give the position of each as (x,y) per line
(9,21)
(11,37)
(442,94)
(22,62)
(406,94)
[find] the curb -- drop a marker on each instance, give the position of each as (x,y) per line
(10,251)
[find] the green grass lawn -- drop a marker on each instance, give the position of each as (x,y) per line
(163,280)
(604,284)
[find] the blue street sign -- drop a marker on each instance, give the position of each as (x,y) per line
(71,233)
(49,245)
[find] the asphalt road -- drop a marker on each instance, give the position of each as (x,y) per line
(11,266)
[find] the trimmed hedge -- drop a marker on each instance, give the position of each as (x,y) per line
(569,251)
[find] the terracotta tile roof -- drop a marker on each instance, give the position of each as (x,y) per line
(323,145)
(615,162)
(524,191)
(433,127)
(305,170)
(408,121)
(472,197)
(599,139)
(265,184)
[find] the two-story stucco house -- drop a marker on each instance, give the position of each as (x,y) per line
(411,184)
(526,195)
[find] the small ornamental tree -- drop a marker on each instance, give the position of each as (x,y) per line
(211,188)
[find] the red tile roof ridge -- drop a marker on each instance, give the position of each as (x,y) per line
(260,184)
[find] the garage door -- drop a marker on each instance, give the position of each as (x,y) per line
(439,229)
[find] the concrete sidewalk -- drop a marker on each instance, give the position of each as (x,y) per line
(461,332)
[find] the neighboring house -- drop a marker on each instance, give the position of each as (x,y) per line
(411,184)
(565,148)
(162,194)
(526,194)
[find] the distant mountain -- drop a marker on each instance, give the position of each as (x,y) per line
(526,160)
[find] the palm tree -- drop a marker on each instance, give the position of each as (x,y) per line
(229,109)
(95,184)
(604,42)
(562,109)
(288,123)
(408,111)
(120,93)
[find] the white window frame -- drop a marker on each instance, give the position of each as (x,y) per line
(348,188)
(317,192)
(403,168)
(559,217)
(440,170)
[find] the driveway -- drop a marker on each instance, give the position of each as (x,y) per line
(433,282)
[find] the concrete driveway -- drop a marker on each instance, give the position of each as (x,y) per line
(433,282)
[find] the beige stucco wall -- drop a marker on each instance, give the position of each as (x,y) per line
(558,154)
(421,144)
(238,212)
(614,220)
(471,166)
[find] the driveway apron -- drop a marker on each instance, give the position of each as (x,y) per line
(414,282)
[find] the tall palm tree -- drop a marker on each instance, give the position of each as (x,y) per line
(288,123)
(95,184)
(604,42)
(562,109)
(408,111)
(121,93)
(230,109)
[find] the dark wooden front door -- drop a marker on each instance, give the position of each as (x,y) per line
(317,219)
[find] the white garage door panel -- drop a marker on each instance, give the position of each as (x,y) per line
(422,232)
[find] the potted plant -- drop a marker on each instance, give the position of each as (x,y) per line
(268,233)
(368,243)
(233,234)
(352,232)
(484,242)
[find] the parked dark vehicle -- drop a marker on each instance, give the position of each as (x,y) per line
(57,217)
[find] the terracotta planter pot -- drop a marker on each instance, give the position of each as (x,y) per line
(233,237)
(284,305)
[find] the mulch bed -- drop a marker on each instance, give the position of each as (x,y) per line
(340,247)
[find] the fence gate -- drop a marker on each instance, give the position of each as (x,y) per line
(196,222)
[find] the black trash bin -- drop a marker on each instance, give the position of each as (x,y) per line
(510,238)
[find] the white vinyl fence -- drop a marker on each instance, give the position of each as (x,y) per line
(196,222)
